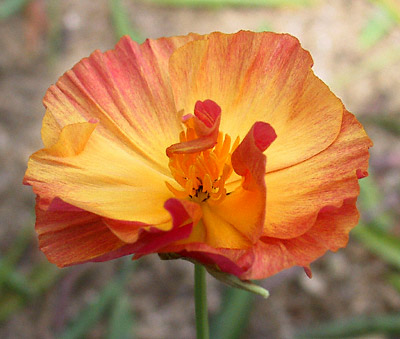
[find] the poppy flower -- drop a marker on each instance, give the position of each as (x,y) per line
(223,148)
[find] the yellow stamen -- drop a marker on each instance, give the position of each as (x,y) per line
(202,175)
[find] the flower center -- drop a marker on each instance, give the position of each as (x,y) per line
(202,175)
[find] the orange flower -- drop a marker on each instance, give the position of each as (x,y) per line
(225,149)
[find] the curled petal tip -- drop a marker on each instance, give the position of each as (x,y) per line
(206,120)
(263,134)
(207,112)
(361,173)
(308,271)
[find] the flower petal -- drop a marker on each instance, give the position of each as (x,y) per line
(296,194)
(184,215)
(244,209)
(103,179)
(68,235)
(259,77)
(207,255)
(127,90)
(206,123)
(270,256)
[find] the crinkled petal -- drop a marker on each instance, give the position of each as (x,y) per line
(207,255)
(68,235)
(296,194)
(184,215)
(103,179)
(270,255)
(206,123)
(127,90)
(259,77)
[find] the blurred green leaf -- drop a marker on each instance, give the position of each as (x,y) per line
(42,276)
(9,304)
(265,28)
(380,243)
(371,203)
(10,7)
(121,22)
(247,3)
(18,283)
(377,27)
(374,233)
(394,279)
(391,6)
(122,320)
(387,122)
(234,315)
(9,277)
(357,326)
(234,281)
(18,247)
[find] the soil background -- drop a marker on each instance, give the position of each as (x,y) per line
(40,43)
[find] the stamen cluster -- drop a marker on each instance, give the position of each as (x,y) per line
(202,175)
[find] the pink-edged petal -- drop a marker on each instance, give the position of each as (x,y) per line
(102,178)
(242,211)
(270,256)
(184,215)
(127,90)
(259,77)
(127,231)
(69,236)
(206,255)
(296,194)
(248,159)
(206,120)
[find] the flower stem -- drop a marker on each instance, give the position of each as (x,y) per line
(200,297)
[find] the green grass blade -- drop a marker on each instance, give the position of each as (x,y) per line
(373,233)
(92,313)
(357,326)
(370,203)
(122,320)
(394,279)
(17,283)
(389,123)
(18,247)
(9,304)
(242,3)
(42,276)
(121,22)
(233,318)
(10,7)
(9,277)
(380,243)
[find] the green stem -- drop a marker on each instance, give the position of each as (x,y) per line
(200,297)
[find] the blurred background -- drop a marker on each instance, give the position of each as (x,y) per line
(356,49)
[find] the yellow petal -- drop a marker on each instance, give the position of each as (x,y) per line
(127,90)
(259,77)
(102,178)
(296,194)
(221,233)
